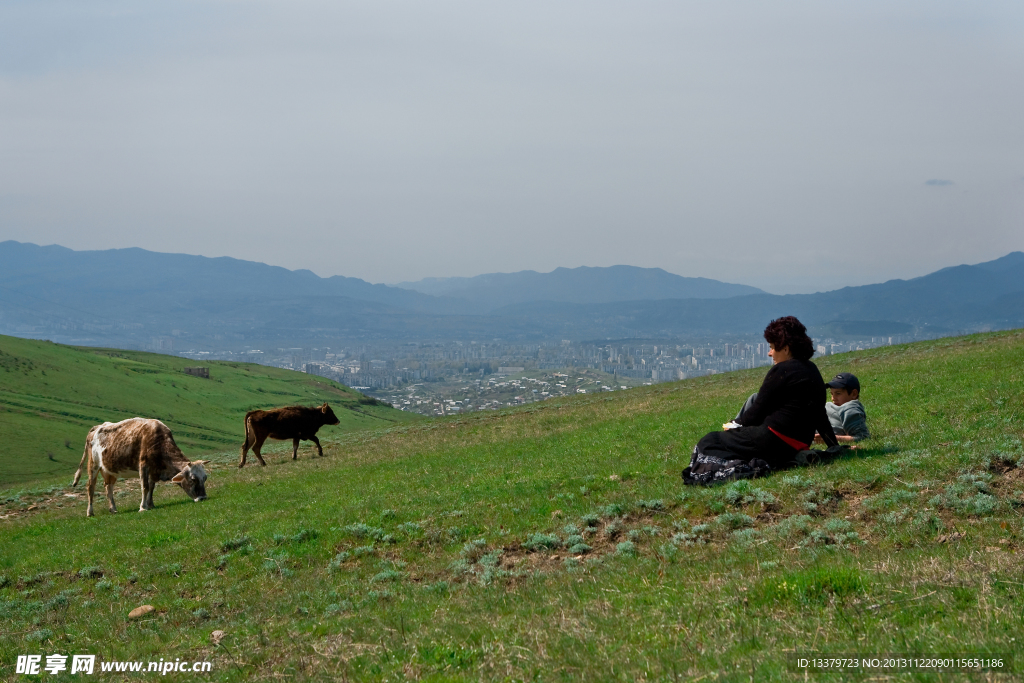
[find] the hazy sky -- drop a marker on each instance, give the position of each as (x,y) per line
(795,146)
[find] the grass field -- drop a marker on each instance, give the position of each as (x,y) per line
(50,395)
(556,542)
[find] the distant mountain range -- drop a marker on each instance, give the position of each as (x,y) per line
(125,297)
(578,286)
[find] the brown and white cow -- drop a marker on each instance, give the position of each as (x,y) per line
(291,422)
(142,448)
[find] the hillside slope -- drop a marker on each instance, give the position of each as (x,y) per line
(50,395)
(556,542)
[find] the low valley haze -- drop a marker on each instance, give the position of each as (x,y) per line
(795,147)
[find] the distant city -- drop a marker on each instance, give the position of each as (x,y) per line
(451,377)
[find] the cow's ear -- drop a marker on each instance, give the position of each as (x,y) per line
(200,462)
(323,408)
(179,477)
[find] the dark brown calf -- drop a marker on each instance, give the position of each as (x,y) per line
(142,448)
(292,422)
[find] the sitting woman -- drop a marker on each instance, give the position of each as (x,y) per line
(779,423)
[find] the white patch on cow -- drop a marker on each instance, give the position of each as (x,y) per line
(100,442)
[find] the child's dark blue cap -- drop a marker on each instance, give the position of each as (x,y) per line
(844,380)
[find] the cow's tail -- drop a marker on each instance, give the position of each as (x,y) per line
(85,454)
(250,435)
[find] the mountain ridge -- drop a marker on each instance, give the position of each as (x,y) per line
(127,297)
(585,284)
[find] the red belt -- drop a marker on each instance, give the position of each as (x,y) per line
(799,445)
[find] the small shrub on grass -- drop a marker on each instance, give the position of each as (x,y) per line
(411,528)
(304,535)
(388,575)
(363,550)
(668,551)
(969,495)
(795,526)
(201,614)
(39,635)
(539,541)
(590,520)
(436,587)
(685,538)
(571,563)
(460,566)
(735,520)
(626,548)
(894,518)
(360,530)
(372,597)
(388,514)
(90,573)
(742,492)
(613,528)
(474,550)
(491,571)
(235,544)
(612,510)
(4,582)
(654,505)
(104,584)
(745,537)
(634,534)
(339,560)
(887,500)
(570,529)
(797,481)
(61,601)
(339,607)
(573,540)
(579,549)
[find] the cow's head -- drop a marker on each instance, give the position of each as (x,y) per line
(192,480)
(329,417)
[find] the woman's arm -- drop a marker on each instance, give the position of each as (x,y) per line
(766,402)
(824,428)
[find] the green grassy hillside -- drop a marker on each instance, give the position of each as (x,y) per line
(556,542)
(50,395)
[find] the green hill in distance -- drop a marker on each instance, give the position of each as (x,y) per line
(556,542)
(50,395)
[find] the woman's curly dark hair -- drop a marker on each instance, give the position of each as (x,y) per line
(789,331)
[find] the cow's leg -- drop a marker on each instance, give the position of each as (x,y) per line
(147,489)
(256,448)
(93,472)
(249,441)
(317,442)
(108,483)
(295,448)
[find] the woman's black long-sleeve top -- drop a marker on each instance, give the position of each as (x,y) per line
(791,401)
